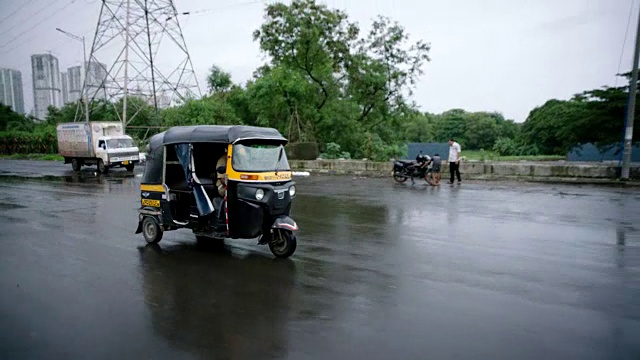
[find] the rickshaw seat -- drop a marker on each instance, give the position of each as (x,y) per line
(206,181)
(179,186)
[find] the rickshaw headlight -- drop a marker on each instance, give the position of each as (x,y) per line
(292,191)
(259,194)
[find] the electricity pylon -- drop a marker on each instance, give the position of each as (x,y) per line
(138,51)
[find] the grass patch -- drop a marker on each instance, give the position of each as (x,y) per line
(492,156)
(47,157)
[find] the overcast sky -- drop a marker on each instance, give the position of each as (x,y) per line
(487,55)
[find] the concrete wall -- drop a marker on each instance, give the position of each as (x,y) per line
(472,169)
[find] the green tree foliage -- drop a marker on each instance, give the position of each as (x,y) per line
(20,134)
(218,80)
(330,84)
(13,121)
(473,130)
(595,116)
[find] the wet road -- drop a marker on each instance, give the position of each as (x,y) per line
(382,271)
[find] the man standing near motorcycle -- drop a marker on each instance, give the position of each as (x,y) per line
(454,160)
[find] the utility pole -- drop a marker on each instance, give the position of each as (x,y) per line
(86,73)
(126,68)
(631,108)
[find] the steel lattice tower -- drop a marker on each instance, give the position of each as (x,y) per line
(138,51)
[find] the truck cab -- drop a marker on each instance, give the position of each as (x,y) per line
(117,151)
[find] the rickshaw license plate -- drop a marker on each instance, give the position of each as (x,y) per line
(149,202)
(126,162)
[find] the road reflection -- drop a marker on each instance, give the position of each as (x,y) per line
(215,305)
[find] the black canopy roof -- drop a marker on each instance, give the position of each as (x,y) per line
(221,134)
(218,134)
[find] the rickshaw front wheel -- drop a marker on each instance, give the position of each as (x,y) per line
(151,230)
(283,243)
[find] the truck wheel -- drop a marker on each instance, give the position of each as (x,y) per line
(151,230)
(102,169)
(75,164)
(129,167)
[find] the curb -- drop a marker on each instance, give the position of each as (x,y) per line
(496,178)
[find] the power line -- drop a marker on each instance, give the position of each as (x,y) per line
(624,42)
(14,11)
(24,20)
(204,11)
(40,23)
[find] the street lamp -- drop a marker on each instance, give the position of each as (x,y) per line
(84,85)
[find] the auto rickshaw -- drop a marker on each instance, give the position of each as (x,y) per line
(220,182)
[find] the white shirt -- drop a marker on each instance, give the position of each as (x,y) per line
(453,152)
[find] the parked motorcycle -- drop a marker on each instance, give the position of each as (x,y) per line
(412,169)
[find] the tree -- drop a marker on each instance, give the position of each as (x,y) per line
(551,126)
(384,67)
(11,120)
(312,39)
(218,80)
(481,131)
(335,86)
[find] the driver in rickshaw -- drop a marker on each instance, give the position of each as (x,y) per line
(221,173)
(221,167)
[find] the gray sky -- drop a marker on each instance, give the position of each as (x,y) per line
(494,55)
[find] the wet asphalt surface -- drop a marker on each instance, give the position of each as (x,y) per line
(383,271)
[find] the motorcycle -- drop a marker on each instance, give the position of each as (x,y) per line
(412,169)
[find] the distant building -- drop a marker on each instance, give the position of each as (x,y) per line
(74,78)
(11,90)
(96,81)
(65,87)
(47,89)
(164,101)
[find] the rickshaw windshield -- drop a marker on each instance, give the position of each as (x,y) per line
(259,158)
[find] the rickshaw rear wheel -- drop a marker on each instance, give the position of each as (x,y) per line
(151,230)
(283,243)
(129,167)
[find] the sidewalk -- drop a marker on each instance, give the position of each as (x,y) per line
(555,171)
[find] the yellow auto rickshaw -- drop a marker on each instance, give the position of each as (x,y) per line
(220,182)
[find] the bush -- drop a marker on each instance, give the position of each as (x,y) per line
(302,151)
(510,147)
(333,151)
(19,142)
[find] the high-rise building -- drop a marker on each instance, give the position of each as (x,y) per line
(11,91)
(75,78)
(46,84)
(65,87)
(96,81)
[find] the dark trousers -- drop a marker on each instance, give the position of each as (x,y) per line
(454,169)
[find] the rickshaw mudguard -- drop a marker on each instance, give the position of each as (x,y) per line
(284,222)
(148,212)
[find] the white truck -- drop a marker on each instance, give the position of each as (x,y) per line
(101,143)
